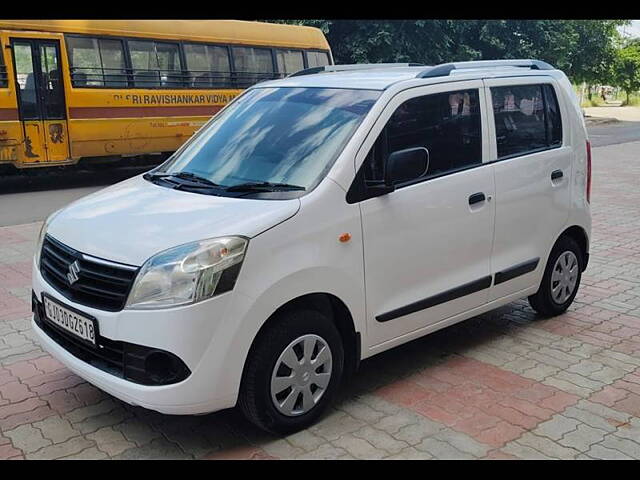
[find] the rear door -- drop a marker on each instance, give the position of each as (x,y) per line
(532,165)
(40,97)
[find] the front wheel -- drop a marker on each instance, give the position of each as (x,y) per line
(292,372)
(561,279)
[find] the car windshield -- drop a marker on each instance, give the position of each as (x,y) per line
(272,139)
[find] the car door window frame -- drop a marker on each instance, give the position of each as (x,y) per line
(359,192)
(522,81)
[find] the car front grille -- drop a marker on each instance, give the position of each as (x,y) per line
(100,284)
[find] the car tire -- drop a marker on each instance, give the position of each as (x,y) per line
(561,279)
(267,371)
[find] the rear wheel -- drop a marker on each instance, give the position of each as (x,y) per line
(292,372)
(561,279)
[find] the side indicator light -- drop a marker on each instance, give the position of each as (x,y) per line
(344,238)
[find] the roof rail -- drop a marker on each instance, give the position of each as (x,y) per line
(348,67)
(445,69)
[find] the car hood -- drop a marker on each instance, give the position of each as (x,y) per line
(135,219)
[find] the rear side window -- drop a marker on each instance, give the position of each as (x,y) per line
(527,119)
(447,124)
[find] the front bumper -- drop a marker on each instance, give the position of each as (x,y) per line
(186,332)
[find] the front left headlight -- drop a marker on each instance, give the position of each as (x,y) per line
(188,273)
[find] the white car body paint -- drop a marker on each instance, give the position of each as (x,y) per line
(414,243)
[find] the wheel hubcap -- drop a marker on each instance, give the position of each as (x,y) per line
(564,277)
(301,375)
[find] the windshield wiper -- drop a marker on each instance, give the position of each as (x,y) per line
(193,177)
(263,187)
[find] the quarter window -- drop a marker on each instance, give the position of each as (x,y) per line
(527,119)
(96,62)
(208,65)
(554,119)
(446,124)
(155,64)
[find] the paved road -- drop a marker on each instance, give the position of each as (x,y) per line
(32,197)
(506,384)
(614,133)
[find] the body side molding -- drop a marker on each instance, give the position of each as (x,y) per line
(446,296)
(515,271)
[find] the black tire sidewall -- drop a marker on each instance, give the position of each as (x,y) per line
(269,347)
(564,244)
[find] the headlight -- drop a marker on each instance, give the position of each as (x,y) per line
(43,232)
(188,273)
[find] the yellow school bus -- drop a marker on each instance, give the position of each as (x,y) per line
(97,90)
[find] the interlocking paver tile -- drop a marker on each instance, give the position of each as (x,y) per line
(27,438)
(582,437)
(57,429)
(506,384)
(110,441)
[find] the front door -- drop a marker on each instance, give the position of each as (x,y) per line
(427,244)
(41,106)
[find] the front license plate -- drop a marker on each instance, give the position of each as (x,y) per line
(74,323)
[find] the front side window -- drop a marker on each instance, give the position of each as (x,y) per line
(527,119)
(96,62)
(446,124)
(155,64)
(277,135)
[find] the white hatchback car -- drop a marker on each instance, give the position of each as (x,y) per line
(316,221)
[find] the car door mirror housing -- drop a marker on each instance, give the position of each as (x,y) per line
(406,165)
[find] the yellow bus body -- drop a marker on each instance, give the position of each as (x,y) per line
(117,122)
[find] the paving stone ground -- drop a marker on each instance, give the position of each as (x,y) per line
(503,385)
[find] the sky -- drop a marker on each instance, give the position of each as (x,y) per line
(633,29)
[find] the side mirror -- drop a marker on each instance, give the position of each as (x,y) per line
(406,165)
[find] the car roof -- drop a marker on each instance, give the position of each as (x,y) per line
(370,79)
(374,77)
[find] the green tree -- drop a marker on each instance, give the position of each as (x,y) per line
(585,49)
(626,71)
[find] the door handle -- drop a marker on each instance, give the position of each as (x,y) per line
(556,174)
(477,198)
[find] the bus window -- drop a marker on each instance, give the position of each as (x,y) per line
(317,59)
(252,65)
(53,102)
(208,65)
(26,81)
(3,71)
(289,61)
(155,64)
(96,62)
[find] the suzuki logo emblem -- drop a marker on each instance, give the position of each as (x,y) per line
(74,269)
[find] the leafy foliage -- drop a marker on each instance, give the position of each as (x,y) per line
(585,49)
(626,72)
